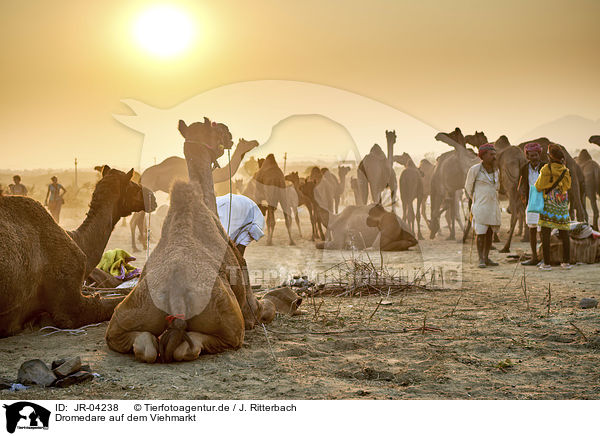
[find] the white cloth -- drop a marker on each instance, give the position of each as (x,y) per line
(482,187)
(482,229)
(532,218)
(247,221)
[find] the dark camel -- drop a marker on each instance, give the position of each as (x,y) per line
(591,176)
(411,189)
(194,295)
(577,191)
(339,193)
(43,266)
(449,175)
(304,193)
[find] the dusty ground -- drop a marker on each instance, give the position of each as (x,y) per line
(349,350)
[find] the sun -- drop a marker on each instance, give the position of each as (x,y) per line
(164,30)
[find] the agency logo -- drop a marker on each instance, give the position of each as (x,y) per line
(26,415)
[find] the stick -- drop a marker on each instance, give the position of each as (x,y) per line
(579,331)
(549,298)
(318,308)
(455,305)
(377,307)
(269,342)
(525,291)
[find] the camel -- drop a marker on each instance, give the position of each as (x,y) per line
(268,185)
(194,295)
(426,169)
(577,191)
(43,266)
(591,177)
(376,173)
(303,195)
(361,227)
(411,189)
(341,187)
(448,177)
(320,188)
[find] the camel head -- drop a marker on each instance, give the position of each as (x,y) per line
(379,217)
(260,162)
(390,136)
(245,146)
(132,197)
(238,186)
(403,159)
(315,175)
(293,177)
(214,136)
(453,139)
(595,139)
(343,171)
(476,139)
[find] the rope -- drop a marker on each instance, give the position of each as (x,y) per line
(230,189)
(77,332)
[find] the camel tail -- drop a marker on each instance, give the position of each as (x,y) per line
(172,337)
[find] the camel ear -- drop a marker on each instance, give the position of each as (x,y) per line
(105,170)
(182,127)
(206,120)
(129,174)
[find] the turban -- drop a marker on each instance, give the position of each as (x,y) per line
(533,146)
(485,147)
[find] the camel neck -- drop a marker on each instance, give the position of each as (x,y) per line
(93,234)
(199,162)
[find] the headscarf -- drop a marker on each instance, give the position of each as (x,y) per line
(485,147)
(555,153)
(533,146)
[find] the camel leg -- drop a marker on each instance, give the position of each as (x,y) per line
(132,227)
(288,225)
(513,223)
(452,213)
(203,343)
(270,224)
(363,188)
(419,205)
(592,196)
(297,221)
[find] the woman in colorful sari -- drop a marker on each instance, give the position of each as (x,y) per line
(554,181)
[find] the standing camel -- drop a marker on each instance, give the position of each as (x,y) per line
(448,178)
(411,189)
(591,176)
(194,295)
(43,266)
(375,173)
(339,193)
(268,185)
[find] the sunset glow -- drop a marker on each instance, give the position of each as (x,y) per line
(164,31)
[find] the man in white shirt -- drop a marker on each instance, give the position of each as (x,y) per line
(482,187)
(529,174)
(247,221)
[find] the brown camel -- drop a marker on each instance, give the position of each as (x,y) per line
(320,190)
(303,195)
(376,173)
(361,227)
(591,176)
(411,189)
(577,192)
(268,185)
(44,266)
(426,169)
(449,175)
(194,295)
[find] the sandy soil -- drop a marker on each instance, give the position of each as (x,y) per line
(350,350)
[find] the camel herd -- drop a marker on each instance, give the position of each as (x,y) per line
(194,294)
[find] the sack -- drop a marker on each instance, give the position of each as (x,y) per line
(536,201)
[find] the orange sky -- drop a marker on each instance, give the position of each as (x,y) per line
(505,67)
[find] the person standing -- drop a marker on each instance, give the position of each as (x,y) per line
(481,186)
(54,198)
(554,181)
(17,188)
(241,218)
(528,175)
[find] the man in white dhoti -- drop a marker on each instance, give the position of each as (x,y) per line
(243,221)
(482,187)
(528,175)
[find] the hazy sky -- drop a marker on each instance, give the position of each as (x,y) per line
(501,66)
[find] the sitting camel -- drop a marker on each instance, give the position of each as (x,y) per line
(361,227)
(411,189)
(268,185)
(194,295)
(43,266)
